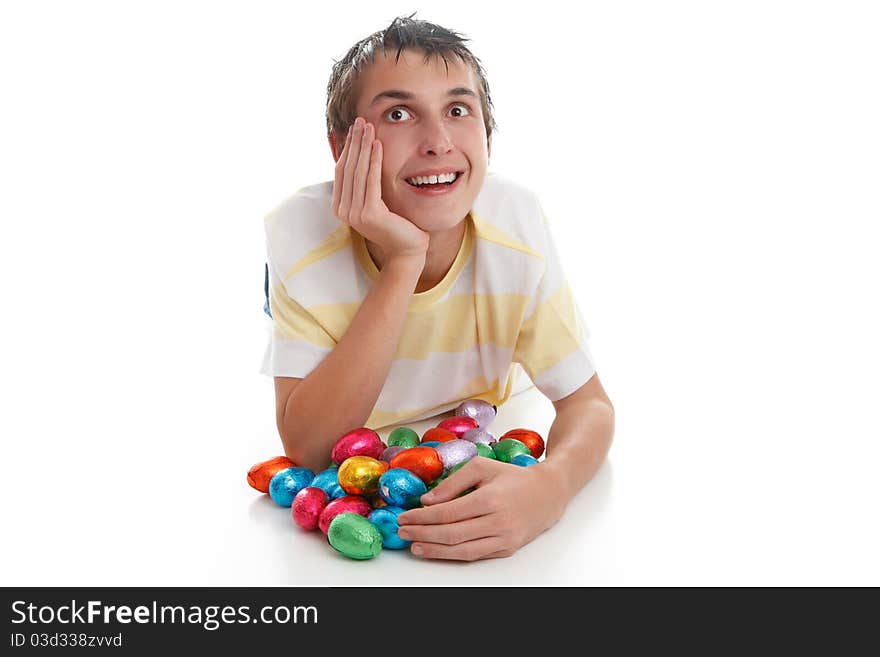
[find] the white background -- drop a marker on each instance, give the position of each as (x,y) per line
(711,174)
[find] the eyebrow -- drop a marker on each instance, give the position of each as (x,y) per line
(406,95)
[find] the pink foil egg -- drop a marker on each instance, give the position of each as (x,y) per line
(478,435)
(481,411)
(358,442)
(307,507)
(458,424)
(347,504)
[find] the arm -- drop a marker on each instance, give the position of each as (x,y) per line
(579,438)
(512,505)
(340,393)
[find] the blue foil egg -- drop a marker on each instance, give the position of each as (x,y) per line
(524,460)
(285,484)
(430,443)
(328,481)
(385,520)
(400,487)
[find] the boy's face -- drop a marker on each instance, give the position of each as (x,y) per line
(432,130)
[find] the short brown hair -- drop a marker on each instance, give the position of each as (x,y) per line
(403,33)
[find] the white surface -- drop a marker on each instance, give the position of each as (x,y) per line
(710,171)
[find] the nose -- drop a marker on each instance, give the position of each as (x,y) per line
(435,138)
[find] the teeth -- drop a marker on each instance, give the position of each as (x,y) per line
(433,180)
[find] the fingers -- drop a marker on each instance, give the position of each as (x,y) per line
(364,151)
(461,508)
(452,534)
(355,166)
(374,179)
(339,181)
(472,474)
(483,548)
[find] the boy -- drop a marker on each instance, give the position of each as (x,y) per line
(416,280)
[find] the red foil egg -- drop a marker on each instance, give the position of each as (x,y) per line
(439,434)
(531,439)
(261,473)
(424,462)
(307,507)
(458,424)
(347,504)
(359,442)
(359,475)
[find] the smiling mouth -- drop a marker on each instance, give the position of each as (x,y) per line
(436,188)
(439,185)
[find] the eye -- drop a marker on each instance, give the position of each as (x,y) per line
(464,107)
(396,111)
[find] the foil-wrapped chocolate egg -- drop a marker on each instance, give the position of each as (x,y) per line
(481,411)
(458,424)
(385,520)
(437,434)
(354,536)
(485,451)
(285,484)
(424,462)
(359,475)
(261,473)
(531,439)
(390,452)
(431,443)
(506,448)
(400,487)
(524,460)
(307,507)
(403,437)
(359,442)
(455,452)
(478,435)
(328,481)
(347,504)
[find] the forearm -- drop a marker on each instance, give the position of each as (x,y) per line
(340,393)
(577,444)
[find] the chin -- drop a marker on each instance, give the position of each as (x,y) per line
(435,222)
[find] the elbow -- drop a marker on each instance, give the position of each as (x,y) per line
(298,451)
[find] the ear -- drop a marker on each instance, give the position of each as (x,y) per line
(333,147)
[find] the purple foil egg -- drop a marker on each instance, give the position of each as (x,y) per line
(391,452)
(453,452)
(477,409)
(478,435)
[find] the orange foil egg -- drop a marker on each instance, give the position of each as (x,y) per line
(359,475)
(458,424)
(261,473)
(439,434)
(424,462)
(531,439)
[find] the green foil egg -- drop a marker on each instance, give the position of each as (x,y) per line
(404,437)
(507,448)
(354,536)
(485,450)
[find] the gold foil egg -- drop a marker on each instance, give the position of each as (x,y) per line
(359,475)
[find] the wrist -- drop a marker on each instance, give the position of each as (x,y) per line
(411,264)
(556,478)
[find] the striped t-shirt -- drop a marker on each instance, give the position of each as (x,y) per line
(504,303)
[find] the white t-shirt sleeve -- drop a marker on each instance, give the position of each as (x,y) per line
(297,342)
(552,343)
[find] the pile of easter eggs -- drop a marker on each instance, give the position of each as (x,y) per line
(355,502)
